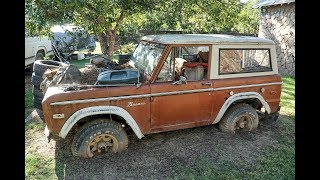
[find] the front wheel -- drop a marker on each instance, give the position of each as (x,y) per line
(98,137)
(239,116)
(39,56)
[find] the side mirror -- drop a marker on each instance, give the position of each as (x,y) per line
(182,80)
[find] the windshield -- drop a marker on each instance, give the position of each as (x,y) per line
(146,57)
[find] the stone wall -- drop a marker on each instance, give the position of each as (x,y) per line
(278,24)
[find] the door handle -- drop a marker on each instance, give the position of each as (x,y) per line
(207,83)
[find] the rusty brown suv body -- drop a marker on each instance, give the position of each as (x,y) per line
(235,70)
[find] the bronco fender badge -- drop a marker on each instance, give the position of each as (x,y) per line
(58,116)
(130,104)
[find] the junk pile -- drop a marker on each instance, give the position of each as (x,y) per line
(68,74)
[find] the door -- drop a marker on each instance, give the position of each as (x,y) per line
(176,104)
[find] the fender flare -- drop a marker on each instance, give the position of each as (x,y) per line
(239,96)
(75,117)
(41,48)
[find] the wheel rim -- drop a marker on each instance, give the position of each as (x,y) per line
(101,144)
(243,122)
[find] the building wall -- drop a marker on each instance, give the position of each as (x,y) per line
(278,24)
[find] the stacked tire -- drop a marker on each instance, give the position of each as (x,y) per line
(39,67)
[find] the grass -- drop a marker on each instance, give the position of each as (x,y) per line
(30,128)
(39,167)
(288,96)
(28,98)
(97,51)
(280,164)
(81,63)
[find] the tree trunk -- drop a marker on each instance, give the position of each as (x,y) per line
(112,42)
(103,42)
(107,41)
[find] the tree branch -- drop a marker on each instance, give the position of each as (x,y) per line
(119,21)
(90,7)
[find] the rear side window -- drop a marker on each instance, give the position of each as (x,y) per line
(232,61)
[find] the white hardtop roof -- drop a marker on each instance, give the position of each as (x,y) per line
(205,39)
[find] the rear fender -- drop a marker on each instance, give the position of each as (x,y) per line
(240,96)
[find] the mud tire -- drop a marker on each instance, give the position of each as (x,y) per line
(40,66)
(230,121)
(88,132)
(36,80)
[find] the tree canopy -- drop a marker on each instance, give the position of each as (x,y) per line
(109,18)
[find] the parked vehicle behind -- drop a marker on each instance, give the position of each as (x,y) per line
(66,39)
(36,48)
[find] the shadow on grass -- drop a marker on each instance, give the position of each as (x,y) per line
(200,152)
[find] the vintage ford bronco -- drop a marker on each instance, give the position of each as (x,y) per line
(174,81)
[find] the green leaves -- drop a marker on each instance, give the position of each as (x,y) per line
(196,16)
(248,19)
(127,17)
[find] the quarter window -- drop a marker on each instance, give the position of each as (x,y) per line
(233,61)
(188,61)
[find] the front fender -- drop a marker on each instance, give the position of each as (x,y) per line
(39,48)
(75,117)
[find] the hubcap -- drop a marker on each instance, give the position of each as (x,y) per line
(242,123)
(100,143)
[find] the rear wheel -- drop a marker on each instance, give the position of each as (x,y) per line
(99,137)
(240,116)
